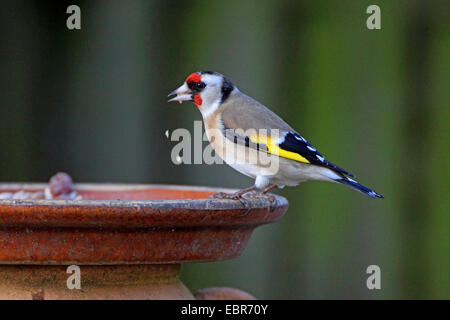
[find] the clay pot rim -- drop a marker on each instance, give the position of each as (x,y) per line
(129,231)
(139,214)
(182,203)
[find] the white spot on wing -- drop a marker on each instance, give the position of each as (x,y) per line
(312,148)
(321,159)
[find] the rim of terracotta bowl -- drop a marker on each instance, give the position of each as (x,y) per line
(169,224)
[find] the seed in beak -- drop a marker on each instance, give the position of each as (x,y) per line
(182,97)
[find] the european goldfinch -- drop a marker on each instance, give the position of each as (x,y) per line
(238,127)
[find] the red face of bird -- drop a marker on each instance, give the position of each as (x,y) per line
(206,89)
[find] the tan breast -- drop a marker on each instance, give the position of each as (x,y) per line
(213,128)
(243,159)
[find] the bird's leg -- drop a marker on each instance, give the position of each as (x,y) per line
(235,196)
(264,191)
(238,195)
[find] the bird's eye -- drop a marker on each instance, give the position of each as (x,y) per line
(200,85)
(196,86)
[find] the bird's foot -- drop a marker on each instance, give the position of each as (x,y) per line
(269,197)
(234,196)
(272,199)
(238,195)
(223,195)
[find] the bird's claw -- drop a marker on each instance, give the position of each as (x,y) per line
(233,196)
(269,197)
(223,195)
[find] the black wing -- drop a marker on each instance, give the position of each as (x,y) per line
(294,142)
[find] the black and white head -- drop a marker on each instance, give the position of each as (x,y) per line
(206,89)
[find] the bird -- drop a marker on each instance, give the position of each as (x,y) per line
(244,132)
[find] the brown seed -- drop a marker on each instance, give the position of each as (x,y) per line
(60,183)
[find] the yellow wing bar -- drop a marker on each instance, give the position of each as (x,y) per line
(274,149)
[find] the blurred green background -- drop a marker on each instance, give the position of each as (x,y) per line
(376,102)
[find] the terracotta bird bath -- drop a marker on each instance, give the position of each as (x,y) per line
(128,240)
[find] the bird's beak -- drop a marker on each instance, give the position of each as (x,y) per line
(183,94)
